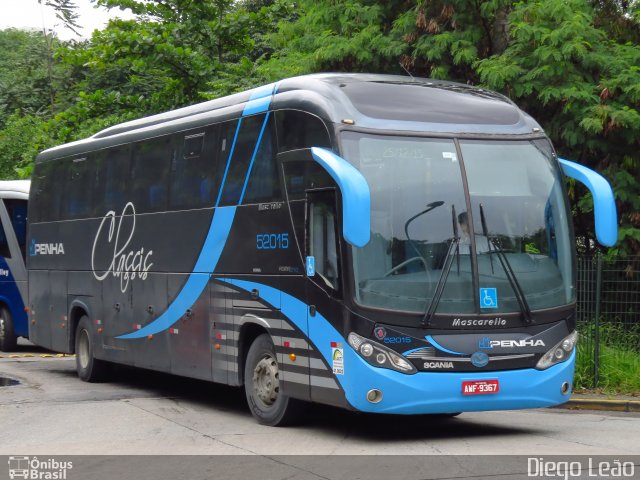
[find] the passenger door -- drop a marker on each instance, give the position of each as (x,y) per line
(324,294)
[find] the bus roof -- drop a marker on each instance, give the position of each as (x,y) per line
(384,102)
(15,188)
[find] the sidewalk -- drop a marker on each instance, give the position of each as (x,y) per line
(595,401)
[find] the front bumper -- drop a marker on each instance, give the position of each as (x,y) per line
(427,392)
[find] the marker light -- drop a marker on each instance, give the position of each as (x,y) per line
(559,353)
(378,355)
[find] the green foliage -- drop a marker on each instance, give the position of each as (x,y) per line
(583,87)
(619,360)
(574,65)
(30,78)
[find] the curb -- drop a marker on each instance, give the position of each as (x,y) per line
(33,355)
(612,405)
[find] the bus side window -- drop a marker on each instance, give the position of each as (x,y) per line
(150,174)
(76,196)
(264,180)
(4,244)
(245,145)
(18,213)
(110,180)
(46,181)
(322,238)
(193,168)
(298,130)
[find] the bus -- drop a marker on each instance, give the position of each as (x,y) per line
(379,243)
(14,195)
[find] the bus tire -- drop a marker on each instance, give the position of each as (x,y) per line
(89,368)
(8,339)
(262,386)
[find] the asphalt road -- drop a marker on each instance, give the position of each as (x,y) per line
(140,412)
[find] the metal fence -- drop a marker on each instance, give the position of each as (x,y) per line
(608,310)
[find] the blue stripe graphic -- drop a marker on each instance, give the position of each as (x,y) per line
(198,280)
(217,235)
(440,347)
(423,392)
(259,100)
(226,170)
(253,157)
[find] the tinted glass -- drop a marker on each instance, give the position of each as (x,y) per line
(18,213)
(301,175)
(323,240)
(76,196)
(437,103)
(47,181)
(238,166)
(4,244)
(264,179)
(300,130)
(193,183)
(150,174)
(112,180)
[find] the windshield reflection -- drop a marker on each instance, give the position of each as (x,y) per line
(423,239)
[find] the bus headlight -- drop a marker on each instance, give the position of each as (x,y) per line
(379,355)
(559,353)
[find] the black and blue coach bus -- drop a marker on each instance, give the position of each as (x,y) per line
(14,195)
(379,243)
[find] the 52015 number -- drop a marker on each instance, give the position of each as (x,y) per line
(269,241)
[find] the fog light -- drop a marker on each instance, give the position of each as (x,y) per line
(366,349)
(564,388)
(374,396)
(381,358)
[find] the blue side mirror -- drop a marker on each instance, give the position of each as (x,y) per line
(604,205)
(356,197)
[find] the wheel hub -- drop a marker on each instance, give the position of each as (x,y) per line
(266,383)
(83,349)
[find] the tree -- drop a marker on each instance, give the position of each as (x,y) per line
(584,87)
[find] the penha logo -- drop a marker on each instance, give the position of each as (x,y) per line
(125,264)
(45,248)
(486,343)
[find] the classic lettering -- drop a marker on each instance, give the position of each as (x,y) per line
(125,265)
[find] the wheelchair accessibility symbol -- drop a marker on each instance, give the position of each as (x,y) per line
(488,298)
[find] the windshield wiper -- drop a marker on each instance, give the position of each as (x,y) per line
(446,268)
(508,270)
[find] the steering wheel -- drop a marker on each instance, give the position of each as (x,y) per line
(405,263)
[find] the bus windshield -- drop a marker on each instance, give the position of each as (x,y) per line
(511,238)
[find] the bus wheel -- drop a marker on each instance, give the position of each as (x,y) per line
(8,339)
(262,385)
(89,368)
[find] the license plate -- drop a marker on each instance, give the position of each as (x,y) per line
(480,387)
